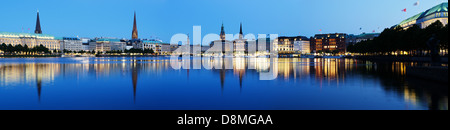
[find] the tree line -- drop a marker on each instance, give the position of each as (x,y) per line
(412,40)
(19,49)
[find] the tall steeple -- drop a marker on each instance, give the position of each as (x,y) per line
(241,34)
(222,33)
(38,25)
(135,32)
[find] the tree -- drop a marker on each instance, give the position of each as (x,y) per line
(9,48)
(444,37)
(26,49)
(396,39)
(350,48)
(151,51)
(334,52)
(412,38)
(148,51)
(3,47)
(18,48)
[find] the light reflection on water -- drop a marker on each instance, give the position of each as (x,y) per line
(151,83)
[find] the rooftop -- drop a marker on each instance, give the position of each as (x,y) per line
(28,35)
(331,35)
(436,9)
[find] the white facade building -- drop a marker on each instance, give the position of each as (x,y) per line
(71,44)
(302,47)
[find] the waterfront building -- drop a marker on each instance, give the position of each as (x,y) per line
(165,48)
(353,39)
(135,43)
(334,42)
(109,44)
(102,45)
(285,45)
(293,45)
(424,19)
(120,45)
(302,45)
(31,40)
(263,45)
(71,44)
(227,46)
(152,44)
(88,44)
(240,45)
(92,46)
(173,47)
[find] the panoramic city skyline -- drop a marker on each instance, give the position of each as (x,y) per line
(117,22)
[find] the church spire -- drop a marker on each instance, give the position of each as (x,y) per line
(135,32)
(241,34)
(222,33)
(38,25)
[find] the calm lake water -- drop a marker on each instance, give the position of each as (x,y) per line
(240,84)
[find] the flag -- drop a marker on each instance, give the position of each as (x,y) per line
(320,30)
(417,3)
(373,31)
(404,10)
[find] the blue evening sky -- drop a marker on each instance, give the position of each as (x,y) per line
(164,18)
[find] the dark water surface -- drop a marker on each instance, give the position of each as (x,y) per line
(152,84)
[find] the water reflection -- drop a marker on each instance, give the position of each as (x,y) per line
(323,73)
(134,74)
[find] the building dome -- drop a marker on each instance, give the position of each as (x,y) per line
(438,12)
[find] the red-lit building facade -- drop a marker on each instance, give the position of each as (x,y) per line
(329,43)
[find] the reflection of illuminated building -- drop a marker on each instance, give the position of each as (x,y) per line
(239,68)
(32,74)
(300,72)
(26,73)
(39,83)
(134,77)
